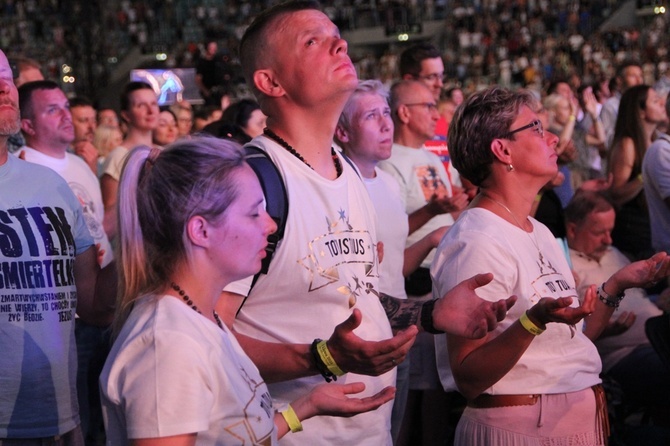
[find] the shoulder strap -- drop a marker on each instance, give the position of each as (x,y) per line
(351,163)
(276,200)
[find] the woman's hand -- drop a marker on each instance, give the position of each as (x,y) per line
(559,310)
(590,103)
(335,400)
(642,274)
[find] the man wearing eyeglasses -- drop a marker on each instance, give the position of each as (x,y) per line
(423,62)
(431,203)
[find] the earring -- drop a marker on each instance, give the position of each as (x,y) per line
(510,168)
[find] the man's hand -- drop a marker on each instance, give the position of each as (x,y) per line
(443,205)
(462,313)
(353,354)
(89,153)
(569,154)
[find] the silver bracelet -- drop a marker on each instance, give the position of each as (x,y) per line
(610,301)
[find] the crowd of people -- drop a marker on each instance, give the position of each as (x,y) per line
(483,42)
(488,251)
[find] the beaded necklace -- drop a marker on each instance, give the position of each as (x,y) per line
(190,303)
(276,138)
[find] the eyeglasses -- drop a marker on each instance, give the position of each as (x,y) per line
(535,125)
(433,77)
(429,105)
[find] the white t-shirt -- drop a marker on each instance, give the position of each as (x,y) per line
(86,187)
(392,229)
(172,371)
(325,266)
(113,164)
(656,173)
(590,272)
(560,360)
(420,174)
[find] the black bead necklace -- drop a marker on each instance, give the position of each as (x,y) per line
(272,135)
(190,303)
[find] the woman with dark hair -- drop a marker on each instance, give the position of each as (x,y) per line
(241,122)
(191,220)
(640,113)
(166,132)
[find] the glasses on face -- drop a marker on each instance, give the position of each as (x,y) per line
(429,105)
(433,77)
(535,125)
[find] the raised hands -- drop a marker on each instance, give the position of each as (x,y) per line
(353,354)
(334,400)
(643,273)
(590,102)
(559,310)
(443,205)
(462,313)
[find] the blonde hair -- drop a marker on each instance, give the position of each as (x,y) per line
(550,104)
(159,192)
(104,139)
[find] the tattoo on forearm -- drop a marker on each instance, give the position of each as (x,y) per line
(401,312)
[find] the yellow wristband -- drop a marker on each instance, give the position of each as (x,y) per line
(327,358)
(572,118)
(639,178)
(291,419)
(529,325)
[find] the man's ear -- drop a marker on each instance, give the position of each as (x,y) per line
(267,83)
(501,151)
(197,230)
(341,134)
(403,113)
(27,127)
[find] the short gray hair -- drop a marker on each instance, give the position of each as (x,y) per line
(481,118)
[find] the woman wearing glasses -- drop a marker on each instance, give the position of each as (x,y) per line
(534,379)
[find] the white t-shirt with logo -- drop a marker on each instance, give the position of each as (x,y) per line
(560,360)
(325,266)
(420,174)
(171,371)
